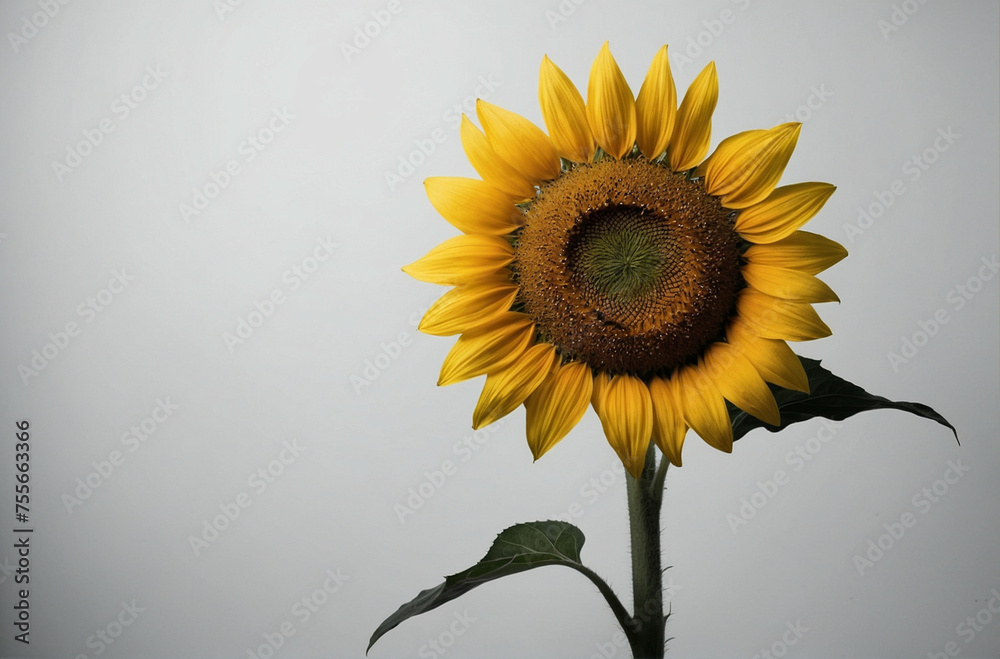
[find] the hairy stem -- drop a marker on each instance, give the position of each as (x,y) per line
(645,495)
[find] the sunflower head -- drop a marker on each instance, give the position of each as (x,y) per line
(611,264)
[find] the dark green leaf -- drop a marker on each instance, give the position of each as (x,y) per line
(518,548)
(830,397)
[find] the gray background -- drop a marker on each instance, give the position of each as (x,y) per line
(734,589)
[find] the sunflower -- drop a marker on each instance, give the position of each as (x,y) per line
(611,264)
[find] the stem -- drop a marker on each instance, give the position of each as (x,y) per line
(619,610)
(646,633)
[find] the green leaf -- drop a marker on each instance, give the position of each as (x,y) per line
(518,548)
(830,397)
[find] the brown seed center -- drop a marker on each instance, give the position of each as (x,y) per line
(628,266)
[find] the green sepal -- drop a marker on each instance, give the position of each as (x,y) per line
(518,548)
(829,396)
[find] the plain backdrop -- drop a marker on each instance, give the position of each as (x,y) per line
(236,438)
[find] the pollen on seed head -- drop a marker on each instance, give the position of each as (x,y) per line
(628,266)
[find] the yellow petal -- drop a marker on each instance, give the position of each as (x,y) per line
(565,114)
(787,284)
(473,206)
(505,390)
(610,106)
(746,167)
(656,108)
(557,405)
(601,381)
(785,210)
(627,417)
(669,428)
(466,306)
(705,409)
(693,125)
(489,347)
(804,251)
(738,380)
(772,358)
(774,318)
(494,170)
(518,141)
(462,259)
